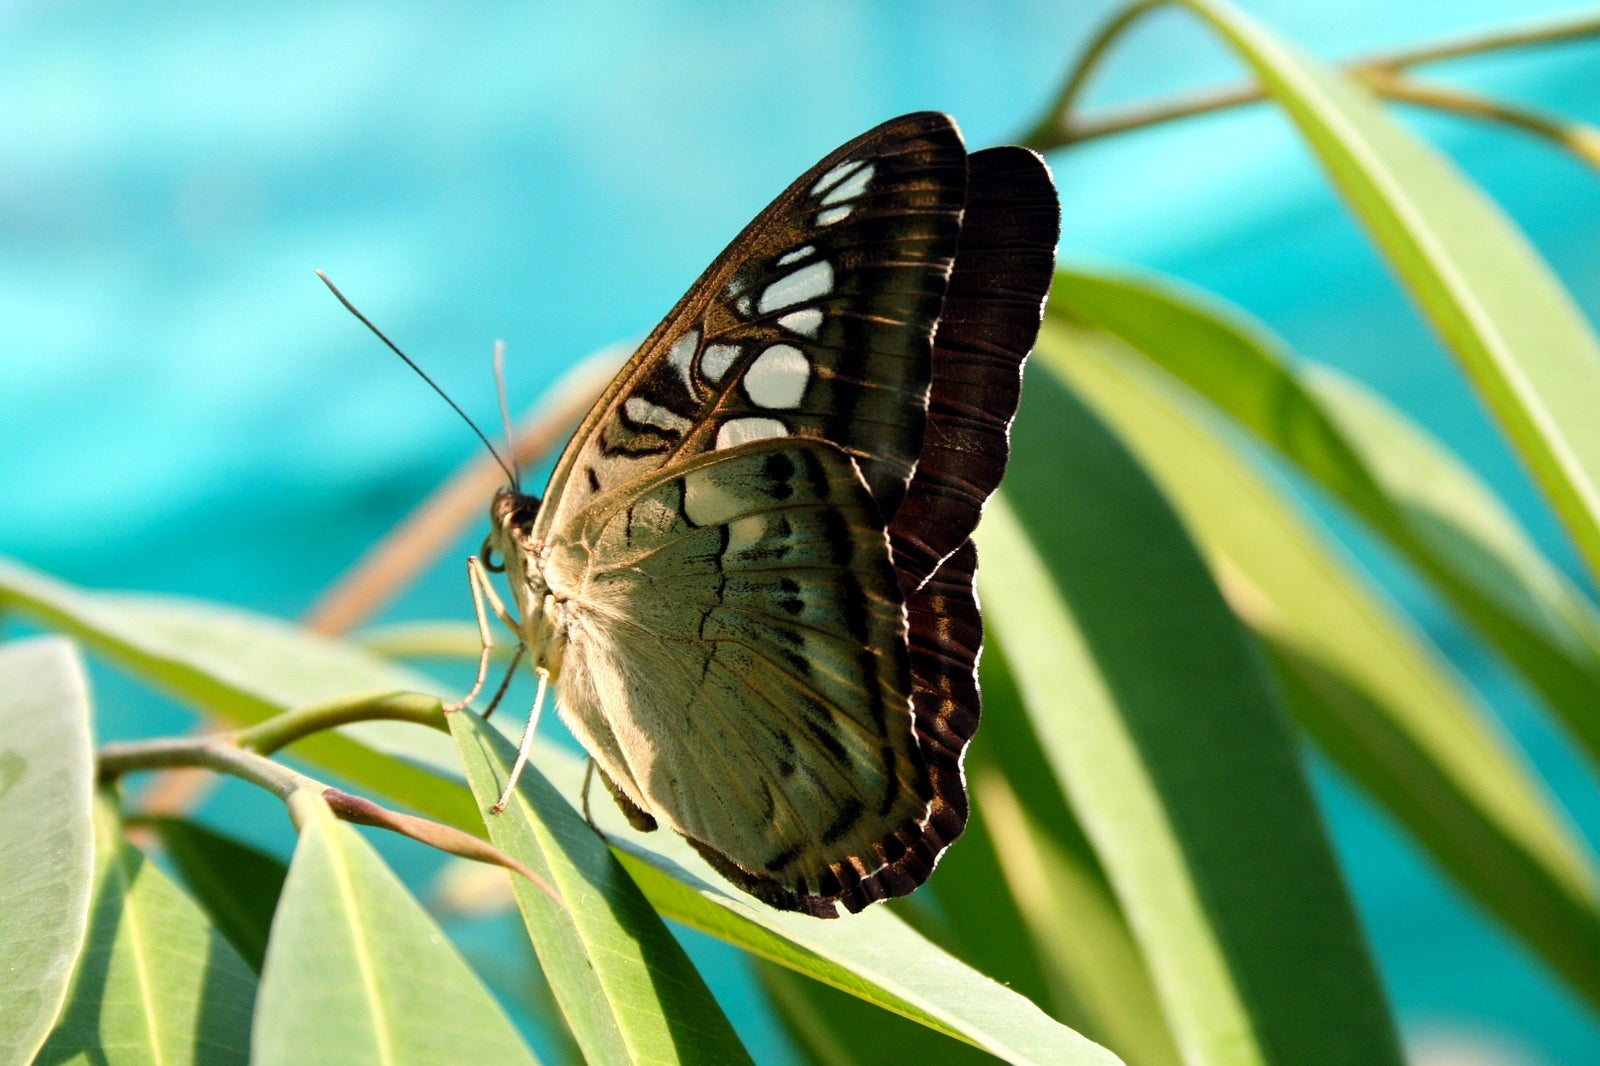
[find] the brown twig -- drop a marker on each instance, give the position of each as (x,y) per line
(1579,138)
(1061,128)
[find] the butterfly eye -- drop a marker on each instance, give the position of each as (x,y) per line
(486,555)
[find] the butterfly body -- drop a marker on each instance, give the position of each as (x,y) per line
(751,577)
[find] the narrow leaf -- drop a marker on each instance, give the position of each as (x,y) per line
(1163,730)
(356,971)
(875,955)
(46,775)
(1414,738)
(840,1030)
(628,991)
(245,667)
(156,982)
(1405,485)
(236,884)
(1057,934)
(1519,337)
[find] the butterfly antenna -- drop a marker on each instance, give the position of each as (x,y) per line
(365,321)
(505,412)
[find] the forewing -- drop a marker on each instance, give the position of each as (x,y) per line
(817,321)
(736,627)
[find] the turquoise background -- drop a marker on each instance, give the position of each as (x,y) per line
(183,407)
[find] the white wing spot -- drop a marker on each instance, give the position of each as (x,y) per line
(832,215)
(836,175)
(804,284)
(745,533)
(739,430)
(796,255)
(805,322)
(653,414)
(777,379)
(681,358)
(706,502)
(851,188)
(717,359)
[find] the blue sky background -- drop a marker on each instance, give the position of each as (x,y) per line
(184,408)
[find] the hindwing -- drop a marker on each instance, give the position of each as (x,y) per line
(737,662)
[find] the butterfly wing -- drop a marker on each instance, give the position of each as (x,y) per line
(816,321)
(883,304)
(737,662)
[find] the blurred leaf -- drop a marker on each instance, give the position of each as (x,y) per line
(1057,936)
(1408,487)
(46,774)
(156,981)
(626,988)
(1518,335)
(245,667)
(236,884)
(1413,739)
(1163,730)
(1077,928)
(979,924)
(357,972)
(430,640)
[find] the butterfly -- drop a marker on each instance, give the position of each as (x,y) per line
(751,575)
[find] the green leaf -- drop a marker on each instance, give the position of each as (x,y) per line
(1518,335)
(840,1030)
(875,955)
(1022,836)
(628,991)
(244,668)
(1057,888)
(46,775)
(156,981)
(236,884)
(1405,485)
(1412,737)
(357,972)
(1163,730)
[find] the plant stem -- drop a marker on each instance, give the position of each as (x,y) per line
(1576,137)
(1060,128)
(244,753)
(286,728)
(1053,131)
(1557,31)
(216,752)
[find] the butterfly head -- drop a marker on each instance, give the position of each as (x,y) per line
(511,516)
(510,549)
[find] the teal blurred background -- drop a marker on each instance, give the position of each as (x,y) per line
(184,408)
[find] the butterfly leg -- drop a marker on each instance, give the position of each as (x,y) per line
(588,778)
(505,682)
(482,590)
(526,745)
